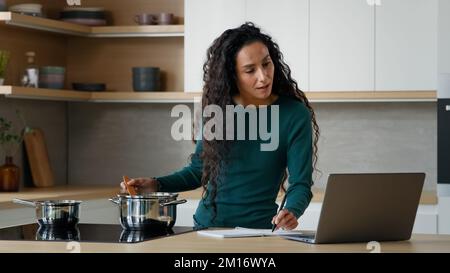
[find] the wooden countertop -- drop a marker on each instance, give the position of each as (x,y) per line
(105,192)
(194,243)
(191,242)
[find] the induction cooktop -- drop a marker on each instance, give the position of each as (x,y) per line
(100,233)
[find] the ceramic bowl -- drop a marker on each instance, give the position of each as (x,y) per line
(89,86)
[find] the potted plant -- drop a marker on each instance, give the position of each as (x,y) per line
(4,58)
(10,141)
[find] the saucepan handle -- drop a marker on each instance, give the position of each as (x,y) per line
(175,202)
(24,202)
(115,200)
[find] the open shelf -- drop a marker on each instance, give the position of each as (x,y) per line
(188,97)
(50,25)
(142,97)
(70,95)
(375,96)
(138,31)
(43,94)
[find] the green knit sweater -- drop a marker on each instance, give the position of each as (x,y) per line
(250,180)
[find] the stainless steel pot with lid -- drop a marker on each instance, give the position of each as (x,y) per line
(148,211)
(57,213)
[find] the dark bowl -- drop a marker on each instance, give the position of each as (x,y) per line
(76,14)
(89,86)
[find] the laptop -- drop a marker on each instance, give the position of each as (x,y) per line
(367,207)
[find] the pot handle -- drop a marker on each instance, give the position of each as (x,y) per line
(115,200)
(175,202)
(24,202)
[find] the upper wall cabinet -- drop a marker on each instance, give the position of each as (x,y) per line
(444,37)
(205,21)
(406,45)
(342,45)
(287,22)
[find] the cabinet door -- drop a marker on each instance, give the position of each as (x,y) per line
(287,21)
(443,141)
(406,45)
(342,45)
(444,36)
(205,21)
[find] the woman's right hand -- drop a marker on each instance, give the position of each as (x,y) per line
(141,185)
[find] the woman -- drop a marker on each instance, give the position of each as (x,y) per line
(240,181)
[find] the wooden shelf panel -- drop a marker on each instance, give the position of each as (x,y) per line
(174,97)
(70,95)
(152,97)
(50,25)
(45,24)
(378,96)
(138,31)
(44,94)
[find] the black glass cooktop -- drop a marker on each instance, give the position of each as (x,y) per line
(99,233)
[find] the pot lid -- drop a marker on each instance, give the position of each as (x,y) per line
(58,202)
(151,195)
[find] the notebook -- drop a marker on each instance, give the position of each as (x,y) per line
(239,232)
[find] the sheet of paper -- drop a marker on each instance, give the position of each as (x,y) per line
(246,232)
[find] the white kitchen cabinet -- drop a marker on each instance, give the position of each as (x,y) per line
(444,215)
(444,37)
(205,21)
(17,216)
(342,45)
(98,211)
(287,21)
(426,221)
(185,213)
(406,45)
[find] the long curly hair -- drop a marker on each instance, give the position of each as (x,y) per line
(220,85)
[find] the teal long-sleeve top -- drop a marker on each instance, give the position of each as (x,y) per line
(246,195)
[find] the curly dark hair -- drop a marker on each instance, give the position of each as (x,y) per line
(220,85)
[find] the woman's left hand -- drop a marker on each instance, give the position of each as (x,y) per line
(285,220)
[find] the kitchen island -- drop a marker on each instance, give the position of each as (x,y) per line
(194,243)
(191,242)
(105,192)
(97,209)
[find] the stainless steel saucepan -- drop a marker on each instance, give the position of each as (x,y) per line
(56,213)
(149,211)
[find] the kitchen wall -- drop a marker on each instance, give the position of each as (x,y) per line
(378,137)
(108,141)
(111,140)
(51,118)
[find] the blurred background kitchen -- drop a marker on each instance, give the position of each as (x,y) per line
(370,67)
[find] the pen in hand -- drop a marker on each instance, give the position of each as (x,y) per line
(279,209)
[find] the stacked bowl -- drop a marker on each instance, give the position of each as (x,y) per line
(27,9)
(84,16)
(52,77)
(146,78)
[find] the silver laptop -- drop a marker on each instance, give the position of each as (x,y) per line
(367,207)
